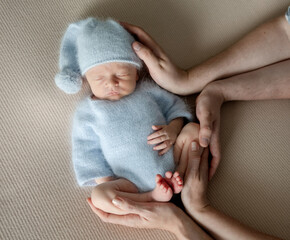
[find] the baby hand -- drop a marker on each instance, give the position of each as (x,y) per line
(165,136)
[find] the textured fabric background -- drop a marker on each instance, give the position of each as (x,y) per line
(39,195)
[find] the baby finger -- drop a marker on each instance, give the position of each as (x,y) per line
(158,140)
(164,151)
(156,134)
(162,146)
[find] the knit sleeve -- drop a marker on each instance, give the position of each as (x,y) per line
(171,105)
(88,160)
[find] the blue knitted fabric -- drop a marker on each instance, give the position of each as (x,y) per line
(109,138)
(89,43)
(102,42)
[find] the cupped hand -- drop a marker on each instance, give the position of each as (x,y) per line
(188,134)
(142,214)
(162,70)
(194,192)
(208,105)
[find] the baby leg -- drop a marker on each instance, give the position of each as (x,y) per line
(161,193)
(103,194)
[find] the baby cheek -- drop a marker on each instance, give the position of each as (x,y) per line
(130,89)
(98,92)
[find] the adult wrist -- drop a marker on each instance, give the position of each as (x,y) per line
(187,228)
(195,207)
(216,88)
(183,227)
(198,211)
(184,85)
(199,76)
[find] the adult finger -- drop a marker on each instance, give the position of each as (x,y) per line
(203,170)
(130,220)
(194,158)
(205,118)
(215,150)
(206,124)
(177,150)
(150,58)
(184,152)
(144,38)
(137,208)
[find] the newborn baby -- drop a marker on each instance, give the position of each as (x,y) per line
(112,129)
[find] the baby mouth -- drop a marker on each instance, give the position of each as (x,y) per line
(113,93)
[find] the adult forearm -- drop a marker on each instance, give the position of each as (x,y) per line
(267,44)
(187,229)
(271,82)
(221,226)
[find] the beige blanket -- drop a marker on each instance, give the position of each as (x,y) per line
(39,195)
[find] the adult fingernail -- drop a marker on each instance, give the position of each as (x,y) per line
(116,202)
(194,146)
(136,46)
(205,141)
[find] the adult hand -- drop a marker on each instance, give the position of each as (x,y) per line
(187,150)
(142,214)
(188,134)
(162,70)
(158,215)
(208,105)
(194,191)
(195,201)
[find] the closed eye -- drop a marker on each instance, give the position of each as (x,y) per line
(98,78)
(122,75)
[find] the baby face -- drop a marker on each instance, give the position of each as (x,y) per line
(112,81)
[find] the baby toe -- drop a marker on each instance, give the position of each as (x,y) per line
(179,179)
(180,184)
(168,174)
(176,174)
(158,178)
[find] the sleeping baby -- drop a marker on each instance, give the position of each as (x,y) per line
(115,127)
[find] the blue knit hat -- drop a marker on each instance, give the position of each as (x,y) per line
(89,43)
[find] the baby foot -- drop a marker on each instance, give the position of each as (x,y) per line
(174,181)
(162,192)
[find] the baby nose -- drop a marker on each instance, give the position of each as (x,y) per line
(113,82)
